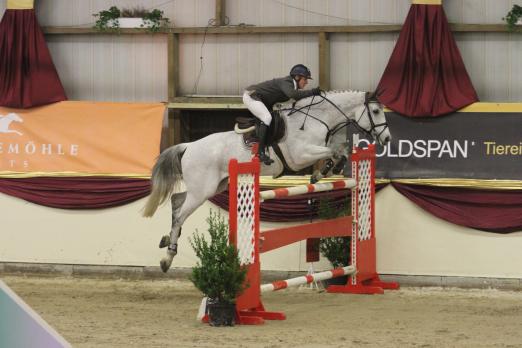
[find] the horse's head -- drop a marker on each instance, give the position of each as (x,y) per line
(14,117)
(370,116)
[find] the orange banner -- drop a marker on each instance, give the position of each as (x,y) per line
(74,138)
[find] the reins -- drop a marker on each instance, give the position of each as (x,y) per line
(335,129)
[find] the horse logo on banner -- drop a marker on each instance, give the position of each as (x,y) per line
(5,122)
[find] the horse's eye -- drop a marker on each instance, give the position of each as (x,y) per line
(375,111)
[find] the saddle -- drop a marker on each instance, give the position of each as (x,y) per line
(248,127)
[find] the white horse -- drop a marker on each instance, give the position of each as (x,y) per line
(315,130)
(6,120)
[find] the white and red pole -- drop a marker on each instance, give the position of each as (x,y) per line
(302,189)
(307,279)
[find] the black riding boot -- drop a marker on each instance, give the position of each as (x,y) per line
(263,157)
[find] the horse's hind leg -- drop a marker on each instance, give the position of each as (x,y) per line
(179,216)
(177,201)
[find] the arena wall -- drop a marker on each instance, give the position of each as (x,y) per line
(410,240)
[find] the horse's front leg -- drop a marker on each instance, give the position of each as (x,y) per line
(314,153)
(309,154)
(336,162)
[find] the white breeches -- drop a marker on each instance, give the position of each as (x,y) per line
(257,108)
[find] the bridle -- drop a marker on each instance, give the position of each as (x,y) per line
(368,99)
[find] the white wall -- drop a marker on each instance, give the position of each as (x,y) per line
(410,240)
(115,236)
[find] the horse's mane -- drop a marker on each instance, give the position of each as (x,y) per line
(308,100)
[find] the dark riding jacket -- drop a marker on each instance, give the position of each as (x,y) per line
(277,91)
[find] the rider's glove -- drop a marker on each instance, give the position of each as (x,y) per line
(316,91)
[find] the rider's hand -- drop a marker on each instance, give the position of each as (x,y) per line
(316,91)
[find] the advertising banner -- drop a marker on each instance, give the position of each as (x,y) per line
(464,145)
(80,138)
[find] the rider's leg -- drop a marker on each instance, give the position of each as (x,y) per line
(259,110)
(263,156)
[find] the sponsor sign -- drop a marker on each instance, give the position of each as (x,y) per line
(464,145)
(80,138)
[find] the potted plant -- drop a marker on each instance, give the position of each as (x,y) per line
(138,17)
(335,249)
(218,273)
(513,17)
(107,19)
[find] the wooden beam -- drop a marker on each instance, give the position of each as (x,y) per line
(216,99)
(220,13)
(175,134)
(173,85)
(206,106)
(247,29)
(251,29)
(173,66)
(324,61)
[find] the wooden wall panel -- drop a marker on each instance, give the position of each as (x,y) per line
(134,68)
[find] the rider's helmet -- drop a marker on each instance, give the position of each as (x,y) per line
(300,70)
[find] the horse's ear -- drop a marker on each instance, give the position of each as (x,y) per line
(367,97)
(378,92)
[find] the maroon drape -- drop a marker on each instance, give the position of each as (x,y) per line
(27,74)
(296,208)
(425,75)
(494,211)
(77,193)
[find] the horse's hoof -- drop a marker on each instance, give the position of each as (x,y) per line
(165,241)
(165,265)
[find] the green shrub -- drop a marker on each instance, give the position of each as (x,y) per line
(335,249)
(218,273)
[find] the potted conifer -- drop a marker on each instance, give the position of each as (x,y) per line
(218,273)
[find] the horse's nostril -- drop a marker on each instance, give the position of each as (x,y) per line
(387,139)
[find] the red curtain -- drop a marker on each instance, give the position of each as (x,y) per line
(493,211)
(425,75)
(486,210)
(77,193)
(299,208)
(27,74)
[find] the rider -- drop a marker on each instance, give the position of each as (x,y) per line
(260,98)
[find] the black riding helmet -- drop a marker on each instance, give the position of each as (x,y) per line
(300,70)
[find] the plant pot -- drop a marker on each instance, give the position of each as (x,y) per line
(342,280)
(127,22)
(131,22)
(221,314)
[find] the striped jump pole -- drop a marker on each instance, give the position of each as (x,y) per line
(302,189)
(307,279)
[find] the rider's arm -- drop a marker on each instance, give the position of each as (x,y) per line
(287,86)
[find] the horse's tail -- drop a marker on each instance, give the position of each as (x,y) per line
(166,177)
